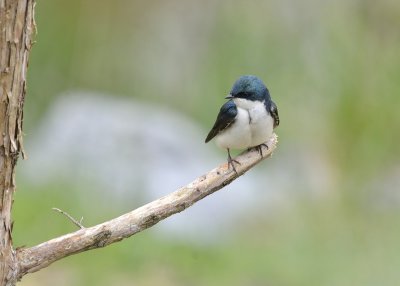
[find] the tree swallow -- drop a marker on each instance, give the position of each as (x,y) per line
(247,120)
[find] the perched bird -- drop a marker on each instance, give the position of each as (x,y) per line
(247,120)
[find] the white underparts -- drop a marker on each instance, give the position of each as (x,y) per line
(253,126)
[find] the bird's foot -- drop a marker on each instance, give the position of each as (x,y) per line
(259,148)
(232,161)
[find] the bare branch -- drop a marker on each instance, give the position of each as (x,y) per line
(37,257)
(74,221)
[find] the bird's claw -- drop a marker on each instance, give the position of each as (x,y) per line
(232,161)
(259,148)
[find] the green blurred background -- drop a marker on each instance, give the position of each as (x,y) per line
(333,68)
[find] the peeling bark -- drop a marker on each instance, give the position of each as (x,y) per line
(17,27)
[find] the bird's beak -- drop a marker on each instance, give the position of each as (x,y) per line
(229,96)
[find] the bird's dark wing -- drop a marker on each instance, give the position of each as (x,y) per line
(226,117)
(273,109)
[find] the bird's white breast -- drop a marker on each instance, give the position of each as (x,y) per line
(253,126)
(238,135)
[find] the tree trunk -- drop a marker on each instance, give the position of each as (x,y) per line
(16,30)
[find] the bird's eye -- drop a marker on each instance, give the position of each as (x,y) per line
(242,94)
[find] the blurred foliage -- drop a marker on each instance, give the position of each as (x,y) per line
(333,68)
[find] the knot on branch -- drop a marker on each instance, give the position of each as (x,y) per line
(101,239)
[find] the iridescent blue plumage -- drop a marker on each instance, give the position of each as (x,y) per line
(226,117)
(251,88)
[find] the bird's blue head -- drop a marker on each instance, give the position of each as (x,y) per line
(249,87)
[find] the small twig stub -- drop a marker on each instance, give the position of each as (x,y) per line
(74,221)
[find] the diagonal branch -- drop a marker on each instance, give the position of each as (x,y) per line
(37,257)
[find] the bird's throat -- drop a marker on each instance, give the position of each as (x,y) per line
(246,103)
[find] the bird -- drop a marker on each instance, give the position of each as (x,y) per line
(247,119)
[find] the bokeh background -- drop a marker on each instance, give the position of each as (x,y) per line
(122,93)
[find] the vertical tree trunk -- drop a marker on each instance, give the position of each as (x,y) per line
(16,29)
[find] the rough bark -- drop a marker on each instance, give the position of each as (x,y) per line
(17,27)
(37,257)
